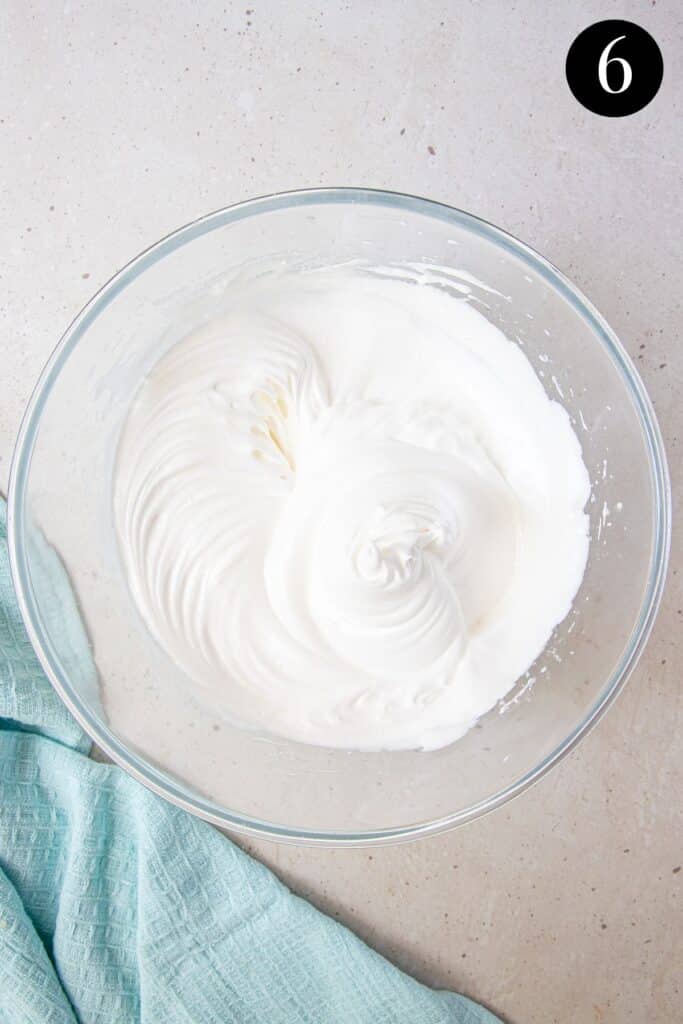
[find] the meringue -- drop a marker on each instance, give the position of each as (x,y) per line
(348,510)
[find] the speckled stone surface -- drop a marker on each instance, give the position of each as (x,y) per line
(119,122)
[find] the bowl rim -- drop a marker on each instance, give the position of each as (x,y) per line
(157,780)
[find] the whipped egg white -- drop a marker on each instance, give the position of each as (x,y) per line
(349,511)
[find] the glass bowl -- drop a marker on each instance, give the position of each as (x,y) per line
(137,706)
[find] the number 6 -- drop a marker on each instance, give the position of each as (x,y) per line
(605,60)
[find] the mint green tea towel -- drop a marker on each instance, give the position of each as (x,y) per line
(116,907)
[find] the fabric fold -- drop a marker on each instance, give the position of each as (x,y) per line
(118,907)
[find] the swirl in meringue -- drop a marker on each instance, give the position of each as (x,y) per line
(349,511)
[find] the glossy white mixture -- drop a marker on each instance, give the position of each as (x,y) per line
(349,510)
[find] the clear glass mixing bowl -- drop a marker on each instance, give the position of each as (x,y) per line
(61,484)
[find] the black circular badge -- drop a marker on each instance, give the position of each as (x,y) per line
(614,68)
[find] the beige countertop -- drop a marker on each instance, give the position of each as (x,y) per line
(119,122)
